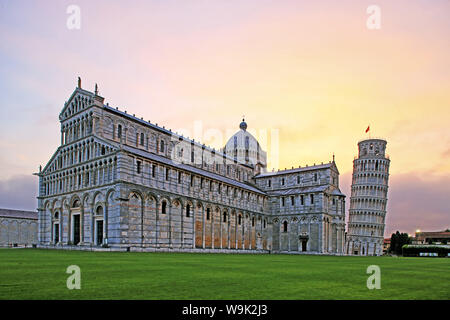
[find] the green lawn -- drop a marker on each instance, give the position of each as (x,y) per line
(41,274)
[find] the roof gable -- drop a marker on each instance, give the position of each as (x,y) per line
(78,101)
(54,157)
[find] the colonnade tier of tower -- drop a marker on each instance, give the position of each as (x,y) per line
(368,199)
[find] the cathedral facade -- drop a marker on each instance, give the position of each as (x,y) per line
(121,182)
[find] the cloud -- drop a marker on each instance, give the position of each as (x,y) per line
(418,202)
(414,202)
(19,192)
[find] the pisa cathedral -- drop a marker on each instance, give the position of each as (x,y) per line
(121,182)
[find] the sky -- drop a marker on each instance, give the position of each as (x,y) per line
(309,77)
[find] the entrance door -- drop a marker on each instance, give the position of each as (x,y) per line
(259,242)
(56,232)
(304,245)
(99,232)
(76,229)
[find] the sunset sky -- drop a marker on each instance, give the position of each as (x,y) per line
(311,72)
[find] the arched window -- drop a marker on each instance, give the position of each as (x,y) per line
(188,211)
(56,228)
(253,221)
(285,226)
(119,131)
(239,220)
(208,211)
(138,167)
(99,211)
(224,217)
(76,204)
(163,207)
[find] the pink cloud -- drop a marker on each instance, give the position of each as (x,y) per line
(415,201)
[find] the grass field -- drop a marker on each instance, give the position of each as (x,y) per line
(41,274)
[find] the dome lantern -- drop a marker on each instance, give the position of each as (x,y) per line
(243,125)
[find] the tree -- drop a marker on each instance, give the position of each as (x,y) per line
(397,241)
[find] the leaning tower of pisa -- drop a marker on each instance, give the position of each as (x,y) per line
(368,199)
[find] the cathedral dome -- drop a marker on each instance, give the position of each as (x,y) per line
(244,147)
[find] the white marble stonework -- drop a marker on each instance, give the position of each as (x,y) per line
(120,182)
(368,199)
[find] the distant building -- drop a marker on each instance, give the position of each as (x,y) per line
(18,228)
(432,237)
(386,245)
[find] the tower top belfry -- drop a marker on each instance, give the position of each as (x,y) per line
(372,147)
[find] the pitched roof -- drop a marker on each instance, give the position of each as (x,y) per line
(433,234)
(307,189)
(174,134)
(192,169)
(288,171)
(19,214)
(289,191)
